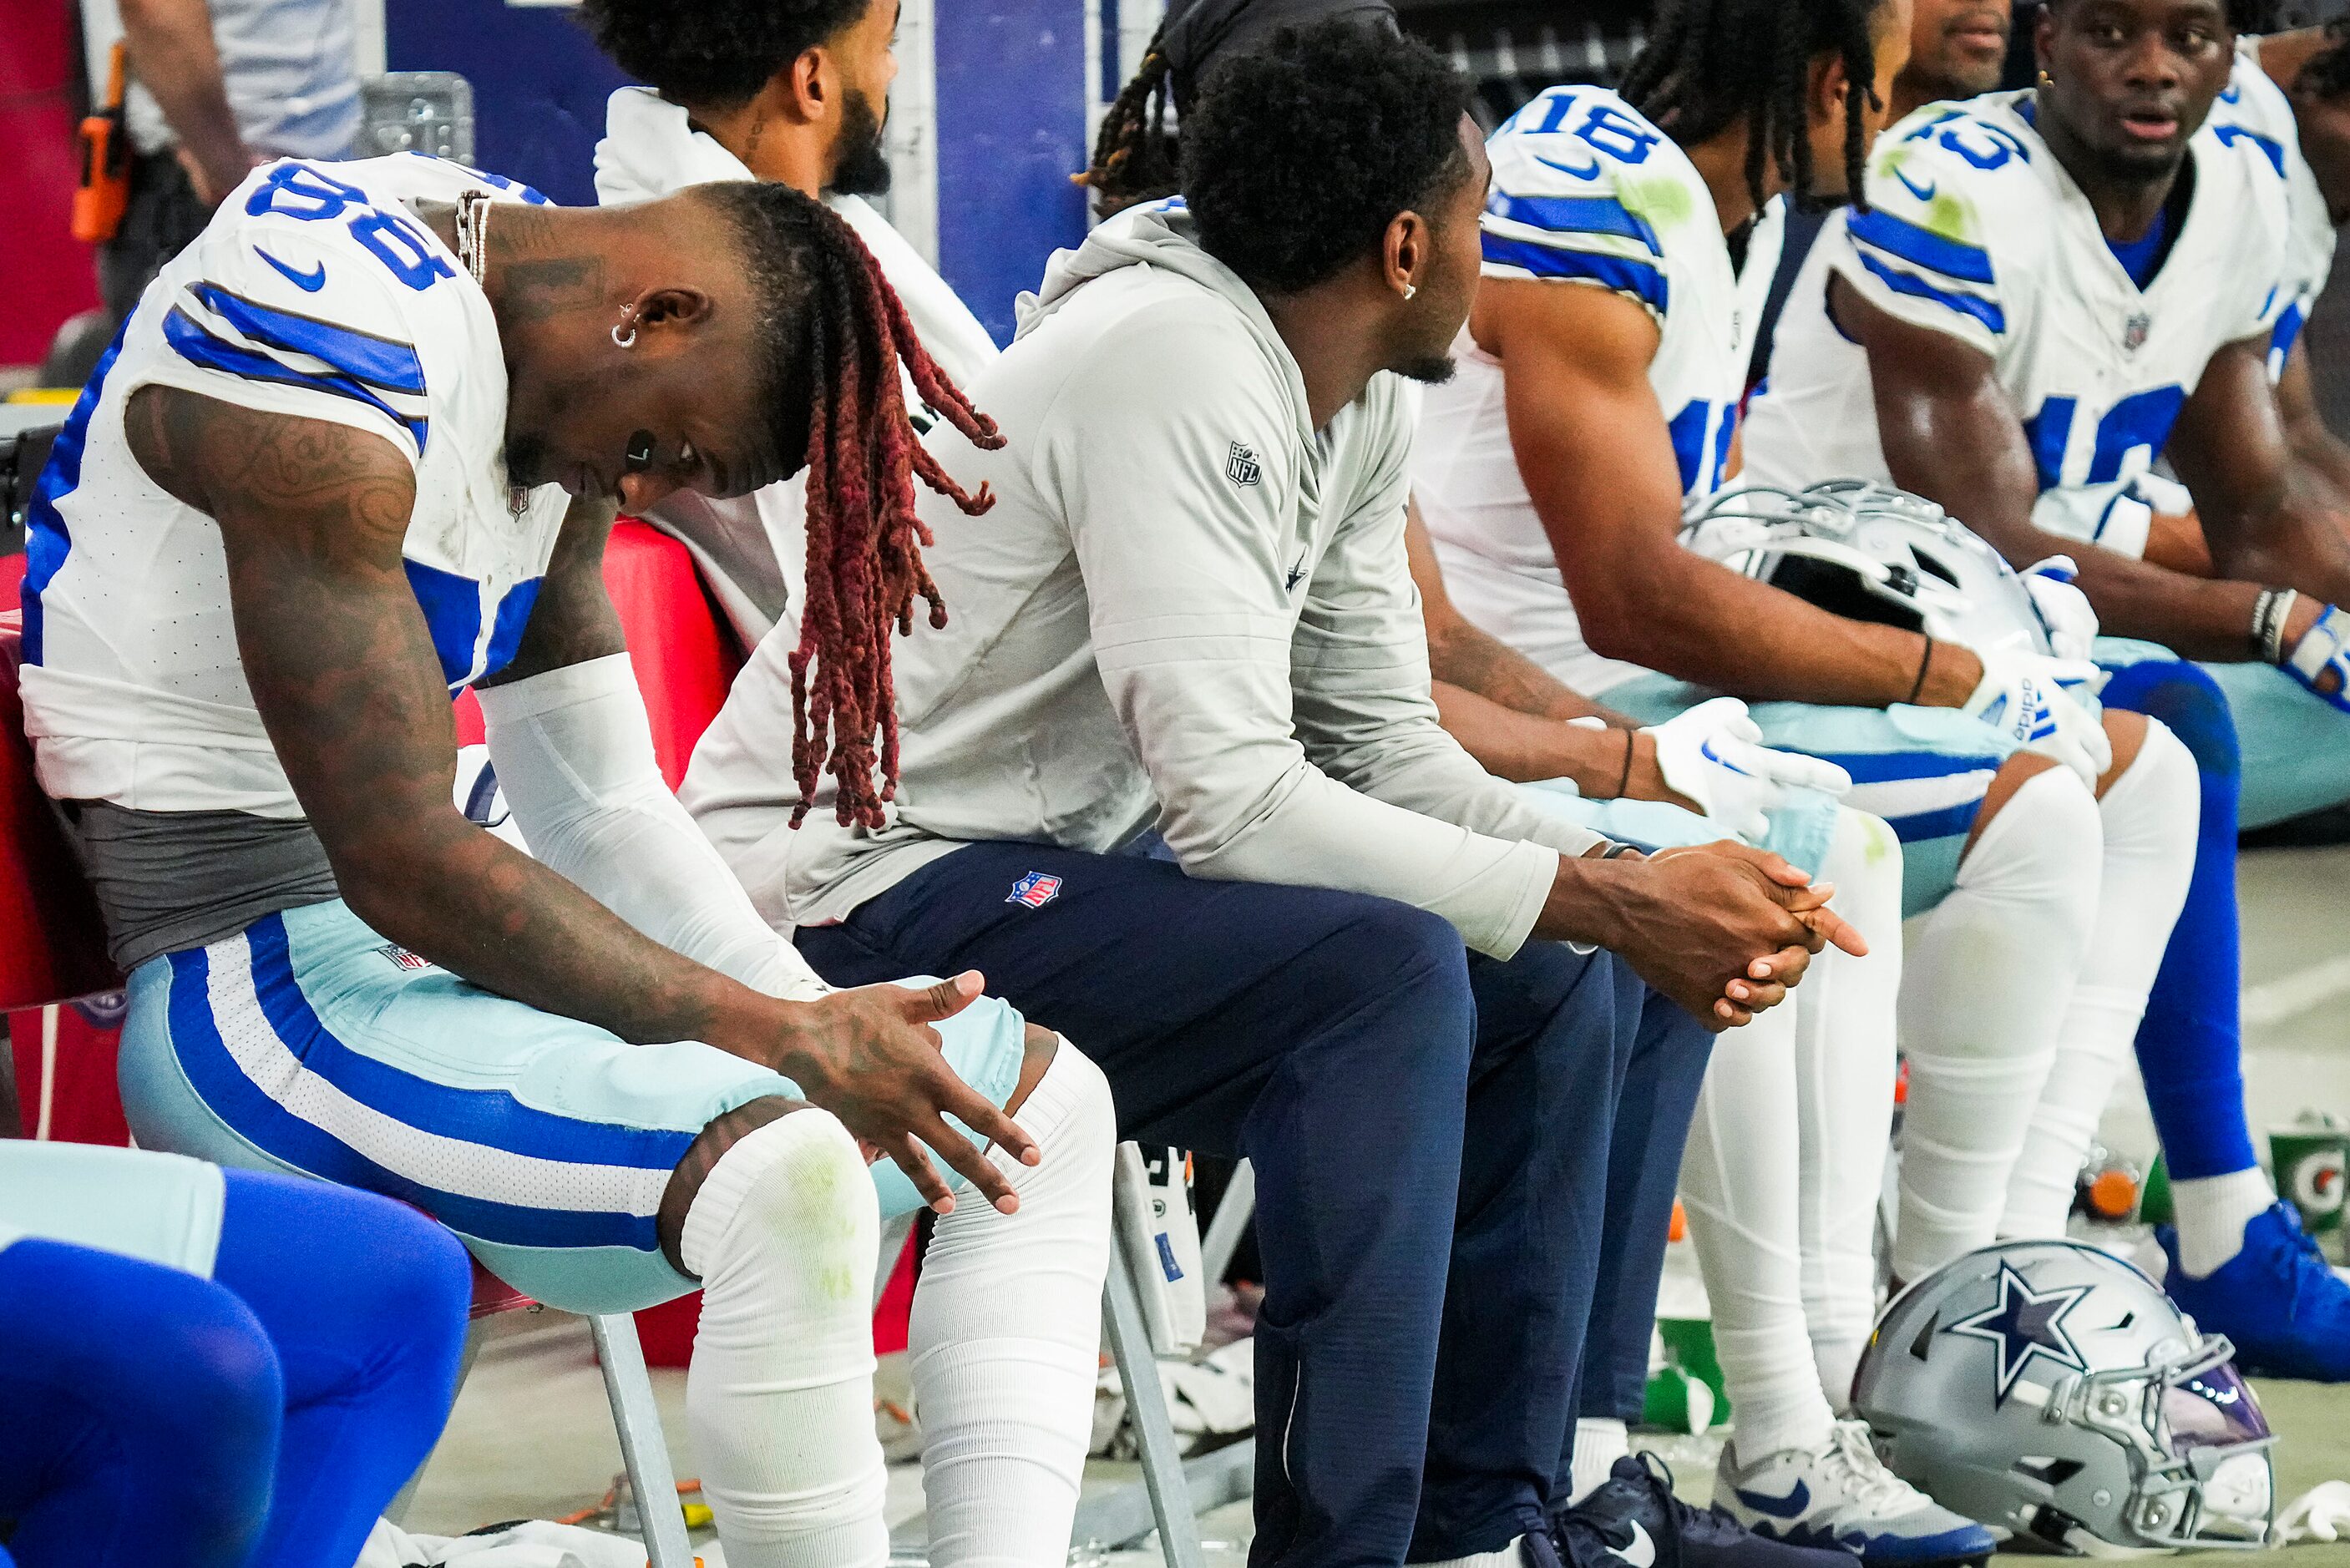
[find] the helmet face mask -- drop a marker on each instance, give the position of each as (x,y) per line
(2051,1389)
(1869,552)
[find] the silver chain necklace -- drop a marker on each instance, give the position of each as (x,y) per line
(474,232)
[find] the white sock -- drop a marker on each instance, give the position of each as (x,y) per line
(1507,1557)
(1006,1336)
(1740,1175)
(779,1399)
(2149,816)
(1844,1097)
(1783,1227)
(1599,1442)
(2211,1212)
(1986,987)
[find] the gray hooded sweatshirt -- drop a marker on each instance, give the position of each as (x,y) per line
(1188,609)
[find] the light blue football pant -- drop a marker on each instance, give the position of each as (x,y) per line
(307,1043)
(2294,745)
(1924,770)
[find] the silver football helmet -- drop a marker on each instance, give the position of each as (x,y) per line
(2052,1389)
(1870,552)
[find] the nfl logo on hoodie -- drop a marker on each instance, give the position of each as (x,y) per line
(1036,889)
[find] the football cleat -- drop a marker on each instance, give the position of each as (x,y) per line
(1841,1494)
(2287,1313)
(1632,1519)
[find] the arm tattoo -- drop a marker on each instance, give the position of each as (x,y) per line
(342,668)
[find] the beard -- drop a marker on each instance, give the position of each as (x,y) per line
(1432,371)
(863,168)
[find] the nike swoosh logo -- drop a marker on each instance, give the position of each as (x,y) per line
(1718,760)
(1924,194)
(1790,1506)
(1641,1553)
(309,282)
(1588,171)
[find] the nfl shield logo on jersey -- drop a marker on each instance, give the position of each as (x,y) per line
(1240,465)
(1036,889)
(2134,330)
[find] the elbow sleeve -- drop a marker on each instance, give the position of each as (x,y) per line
(574,755)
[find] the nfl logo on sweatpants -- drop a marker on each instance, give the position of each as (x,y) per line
(1036,889)
(1241,465)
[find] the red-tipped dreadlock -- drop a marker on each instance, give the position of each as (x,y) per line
(864,538)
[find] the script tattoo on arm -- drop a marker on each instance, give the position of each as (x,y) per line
(342,668)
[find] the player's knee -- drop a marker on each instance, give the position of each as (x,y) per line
(793,1189)
(214,1378)
(1385,943)
(2189,703)
(417,1287)
(2048,833)
(2153,806)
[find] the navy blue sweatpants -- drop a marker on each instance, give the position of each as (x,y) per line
(1431,1133)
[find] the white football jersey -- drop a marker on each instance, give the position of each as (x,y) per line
(1587,193)
(1974,229)
(315,292)
(2254,116)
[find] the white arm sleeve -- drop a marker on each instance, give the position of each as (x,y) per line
(574,752)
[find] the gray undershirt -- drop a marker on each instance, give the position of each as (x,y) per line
(168,880)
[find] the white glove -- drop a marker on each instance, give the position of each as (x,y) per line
(2323,650)
(2064,610)
(2044,705)
(1713,755)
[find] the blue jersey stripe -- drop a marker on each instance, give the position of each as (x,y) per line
(1576,215)
(452,613)
(1945,823)
(365,358)
(1637,278)
(506,626)
(249,1112)
(1900,767)
(198,346)
(1983,310)
(46,541)
(492,1117)
(1921,247)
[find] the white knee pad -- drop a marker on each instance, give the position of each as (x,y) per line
(2150,815)
(779,1399)
(1988,985)
(1006,1336)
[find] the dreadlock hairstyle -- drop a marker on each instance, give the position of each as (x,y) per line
(831,342)
(1136,156)
(1134,152)
(1712,61)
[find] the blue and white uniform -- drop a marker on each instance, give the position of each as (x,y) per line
(2253,116)
(1588,192)
(305,1042)
(1975,230)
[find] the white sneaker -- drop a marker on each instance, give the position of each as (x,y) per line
(1841,1494)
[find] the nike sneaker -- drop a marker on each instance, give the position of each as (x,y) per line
(1842,1495)
(1632,1519)
(2286,1313)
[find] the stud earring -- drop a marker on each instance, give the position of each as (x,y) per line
(1409,290)
(628,341)
(2047,81)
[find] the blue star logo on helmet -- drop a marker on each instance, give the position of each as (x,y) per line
(2025,1324)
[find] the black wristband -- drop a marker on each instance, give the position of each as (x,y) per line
(1925,662)
(1625,783)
